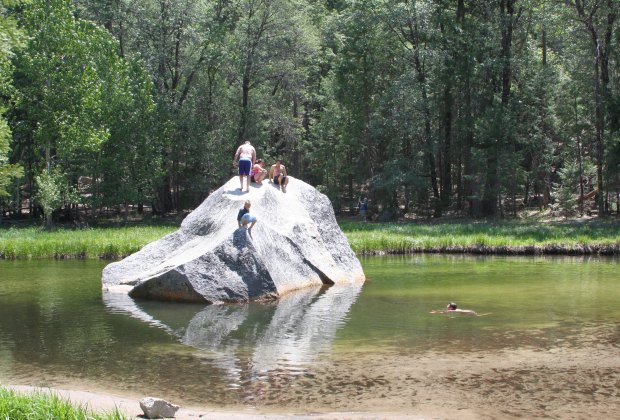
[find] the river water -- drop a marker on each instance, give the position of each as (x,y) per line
(367,347)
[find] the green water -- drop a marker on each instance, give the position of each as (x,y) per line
(58,329)
(521,295)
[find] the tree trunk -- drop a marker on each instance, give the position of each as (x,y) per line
(414,37)
(491,192)
(579,162)
(245,99)
(448,104)
(598,127)
(446,168)
(602,44)
(466,191)
(428,138)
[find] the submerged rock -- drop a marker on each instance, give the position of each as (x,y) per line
(296,243)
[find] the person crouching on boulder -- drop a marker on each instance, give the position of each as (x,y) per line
(257,174)
(244,217)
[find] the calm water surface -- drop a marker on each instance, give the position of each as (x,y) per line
(58,329)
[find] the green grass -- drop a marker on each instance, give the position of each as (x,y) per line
(365,238)
(46,405)
(368,238)
(109,242)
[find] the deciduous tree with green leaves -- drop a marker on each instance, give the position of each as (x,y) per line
(10,39)
(76,95)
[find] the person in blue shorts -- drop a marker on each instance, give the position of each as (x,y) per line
(244,218)
(247,156)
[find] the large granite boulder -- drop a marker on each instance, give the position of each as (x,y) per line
(296,243)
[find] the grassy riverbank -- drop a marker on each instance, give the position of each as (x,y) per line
(46,405)
(104,242)
(510,237)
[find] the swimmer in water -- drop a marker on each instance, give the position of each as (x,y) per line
(452,308)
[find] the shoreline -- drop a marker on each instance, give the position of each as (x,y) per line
(505,250)
(365,239)
(102,402)
(536,250)
(564,380)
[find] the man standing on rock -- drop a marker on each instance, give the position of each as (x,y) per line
(246,155)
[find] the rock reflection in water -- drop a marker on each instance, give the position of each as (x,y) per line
(250,340)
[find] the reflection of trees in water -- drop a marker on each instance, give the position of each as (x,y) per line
(250,341)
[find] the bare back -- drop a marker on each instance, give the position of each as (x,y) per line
(246,151)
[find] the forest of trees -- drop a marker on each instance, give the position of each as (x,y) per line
(427,107)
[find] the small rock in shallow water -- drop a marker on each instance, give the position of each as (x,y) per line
(156,408)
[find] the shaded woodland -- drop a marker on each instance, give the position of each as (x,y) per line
(428,108)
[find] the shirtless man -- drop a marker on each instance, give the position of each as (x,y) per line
(451,308)
(246,155)
(277,175)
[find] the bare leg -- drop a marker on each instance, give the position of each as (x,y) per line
(259,177)
(285,184)
(241,182)
(248,183)
(250,229)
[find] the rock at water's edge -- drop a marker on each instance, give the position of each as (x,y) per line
(296,243)
(156,408)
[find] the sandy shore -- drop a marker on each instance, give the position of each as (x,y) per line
(560,382)
(101,403)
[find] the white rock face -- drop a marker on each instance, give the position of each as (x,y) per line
(296,243)
(156,408)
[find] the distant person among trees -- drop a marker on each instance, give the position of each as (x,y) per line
(362,206)
(258,173)
(277,175)
(246,154)
(244,217)
(452,308)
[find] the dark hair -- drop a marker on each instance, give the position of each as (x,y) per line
(452,305)
(259,160)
